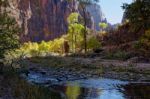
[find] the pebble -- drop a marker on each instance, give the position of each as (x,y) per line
(62,74)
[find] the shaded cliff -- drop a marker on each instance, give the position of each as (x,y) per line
(47,19)
(97,15)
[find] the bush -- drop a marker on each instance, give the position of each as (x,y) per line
(33,49)
(143,45)
(93,43)
(121,55)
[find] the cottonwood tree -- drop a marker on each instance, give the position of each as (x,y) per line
(103,25)
(75,32)
(82,7)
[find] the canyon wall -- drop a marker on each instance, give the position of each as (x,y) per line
(97,15)
(47,19)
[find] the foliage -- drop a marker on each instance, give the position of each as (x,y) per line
(122,35)
(143,44)
(33,49)
(43,47)
(56,45)
(9,30)
(93,43)
(121,55)
(75,32)
(82,6)
(73,18)
(138,13)
(75,36)
(103,25)
(12,57)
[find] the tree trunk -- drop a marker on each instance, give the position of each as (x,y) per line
(75,39)
(85,28)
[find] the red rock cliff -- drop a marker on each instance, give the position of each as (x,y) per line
(42,19)
(47,19)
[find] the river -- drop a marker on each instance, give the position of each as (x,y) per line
(92,88)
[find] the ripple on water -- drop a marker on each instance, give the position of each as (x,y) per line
(100,88)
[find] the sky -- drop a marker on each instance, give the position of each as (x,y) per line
(112,9)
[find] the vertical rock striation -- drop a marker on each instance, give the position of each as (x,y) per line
(41,19)
(47,19)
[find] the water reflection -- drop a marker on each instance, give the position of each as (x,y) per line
(109,90)
(91,93)
(73,92)
(95,88)
(136,91)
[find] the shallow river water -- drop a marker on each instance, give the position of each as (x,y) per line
(93,88)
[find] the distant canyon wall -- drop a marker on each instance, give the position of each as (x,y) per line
(47,19)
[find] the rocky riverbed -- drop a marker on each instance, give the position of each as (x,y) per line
(77,78)
(79,85)
(71,69)
(51,75)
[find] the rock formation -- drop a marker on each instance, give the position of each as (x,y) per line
(47,19)
(97,15)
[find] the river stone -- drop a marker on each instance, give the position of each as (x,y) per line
(138,60)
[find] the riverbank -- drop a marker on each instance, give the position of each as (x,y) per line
(14,87)
(39,75)
(72,68)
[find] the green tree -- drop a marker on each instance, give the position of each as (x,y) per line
(103,25)
(93,43)
(143,44)
(9,30)
(44,47)
(72,20)
(75,32)
(138,14)
(82,7)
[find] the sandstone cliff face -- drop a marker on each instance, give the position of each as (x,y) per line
(42,19)
(47,19)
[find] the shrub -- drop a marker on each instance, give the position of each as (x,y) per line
(93,43)
(143,45)
(121,55)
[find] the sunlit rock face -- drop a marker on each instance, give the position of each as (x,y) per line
(47,19)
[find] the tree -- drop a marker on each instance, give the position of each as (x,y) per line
(103,25)
(9,30)
(82,7)
(93,43)
(138,14)
(143,44)
(72,20)
(44,47)
(75,32)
